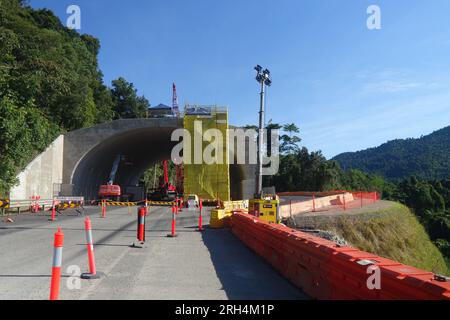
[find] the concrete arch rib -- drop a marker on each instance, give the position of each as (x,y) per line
(92,151)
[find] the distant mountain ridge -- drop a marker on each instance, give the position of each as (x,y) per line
(427,157)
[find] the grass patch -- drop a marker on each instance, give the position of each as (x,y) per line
(392,232)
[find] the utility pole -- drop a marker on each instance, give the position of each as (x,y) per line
(263,77)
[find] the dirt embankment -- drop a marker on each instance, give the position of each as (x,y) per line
(385,228)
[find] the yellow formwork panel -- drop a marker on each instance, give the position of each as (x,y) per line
(207,180)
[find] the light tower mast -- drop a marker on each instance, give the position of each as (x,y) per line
(263,78)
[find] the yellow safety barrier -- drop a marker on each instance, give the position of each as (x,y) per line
(235,205)
(161,203)
(64,206)
(4,203)
(119,204)
(127,204)
(218,218)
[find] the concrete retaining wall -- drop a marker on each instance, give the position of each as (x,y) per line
(43,175)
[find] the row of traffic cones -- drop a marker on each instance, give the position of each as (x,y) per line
(57,259)
(93,273)
(175,211)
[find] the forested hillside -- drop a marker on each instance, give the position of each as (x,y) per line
(427,157)
(50,82)
(301,170)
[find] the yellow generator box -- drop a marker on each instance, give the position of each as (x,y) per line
(267,210)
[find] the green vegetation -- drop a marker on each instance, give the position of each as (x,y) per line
(50,83)
(301,170)
(391,231)
(427,157)
(151,176)
(127,104)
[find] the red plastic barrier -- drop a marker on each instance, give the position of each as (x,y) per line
(324,270)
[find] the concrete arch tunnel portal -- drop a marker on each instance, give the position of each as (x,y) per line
(89,155)
(141,148)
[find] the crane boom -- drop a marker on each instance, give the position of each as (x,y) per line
(166,172)
(175,107)
(115,167)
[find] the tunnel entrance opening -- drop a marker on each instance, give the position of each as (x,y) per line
(142,148)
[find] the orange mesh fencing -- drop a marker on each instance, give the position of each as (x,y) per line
(293,203)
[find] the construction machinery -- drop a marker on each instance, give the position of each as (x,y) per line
(165,191)
(111,191)
(178,167)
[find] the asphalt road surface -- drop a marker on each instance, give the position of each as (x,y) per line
(200,266)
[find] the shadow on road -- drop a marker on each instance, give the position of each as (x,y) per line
(243,274)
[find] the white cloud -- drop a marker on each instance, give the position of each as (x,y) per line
(391,86)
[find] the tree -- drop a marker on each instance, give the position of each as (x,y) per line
(290,141)
(49,83)
(127,104)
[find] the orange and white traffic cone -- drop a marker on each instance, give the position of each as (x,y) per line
(53,216)
(93,274)
(140,228)
(173,233)
(200,218)
(103,209)
(56,266)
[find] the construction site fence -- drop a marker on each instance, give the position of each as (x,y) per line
(62,203)
(340,200)
(365,194)
(325,270)
(37,204)
(130,203)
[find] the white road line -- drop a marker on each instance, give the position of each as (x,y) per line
(94,286)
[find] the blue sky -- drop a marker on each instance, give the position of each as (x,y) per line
(347,88)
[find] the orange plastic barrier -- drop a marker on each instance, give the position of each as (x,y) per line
(324,270)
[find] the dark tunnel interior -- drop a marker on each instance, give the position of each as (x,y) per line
(142,149)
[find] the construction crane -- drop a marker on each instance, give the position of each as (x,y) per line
(165,191)
(175,108)
(178,168)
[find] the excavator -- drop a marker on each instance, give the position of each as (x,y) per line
(165,191)
(111,191)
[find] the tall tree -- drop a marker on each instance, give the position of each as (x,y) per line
(127,103)
(289,140)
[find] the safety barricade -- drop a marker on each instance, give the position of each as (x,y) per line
(4,203)
(325,270)
(119,203)
(67,205)
(124,204)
